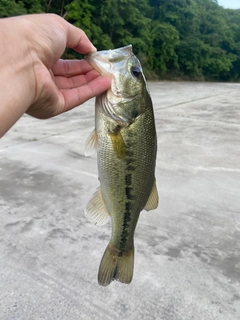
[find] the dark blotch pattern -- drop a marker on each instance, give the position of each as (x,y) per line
(129,160)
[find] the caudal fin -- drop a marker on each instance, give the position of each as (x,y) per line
(116,267)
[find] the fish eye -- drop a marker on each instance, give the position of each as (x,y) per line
(135,71)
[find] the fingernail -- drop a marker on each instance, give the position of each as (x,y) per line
(94,49)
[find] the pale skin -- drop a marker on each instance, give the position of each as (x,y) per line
(33,78)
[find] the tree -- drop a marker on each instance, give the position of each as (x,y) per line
(165,42)
(11,8)
(194,38)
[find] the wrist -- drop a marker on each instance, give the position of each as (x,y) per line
(17,82)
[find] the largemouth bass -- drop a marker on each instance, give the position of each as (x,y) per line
(126,142)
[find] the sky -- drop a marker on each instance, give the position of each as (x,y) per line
(231,4)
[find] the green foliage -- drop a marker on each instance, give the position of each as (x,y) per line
(197,39)
(34,6)
(165,41)
(81,13)
(11,8)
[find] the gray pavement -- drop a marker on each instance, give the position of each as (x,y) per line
(187,252)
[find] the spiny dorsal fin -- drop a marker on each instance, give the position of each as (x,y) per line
(91,144)
(96,211)
(152,202)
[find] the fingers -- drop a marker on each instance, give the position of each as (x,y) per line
(78,40)
(69,74)
(78,82)
(75,81)
(76,96)
(69,68)
(51,34)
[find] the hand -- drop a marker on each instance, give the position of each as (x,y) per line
(67,84)
(61,85)
(33,79)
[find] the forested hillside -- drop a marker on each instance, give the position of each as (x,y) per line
(189,39)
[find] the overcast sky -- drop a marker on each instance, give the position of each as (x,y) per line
(232,4)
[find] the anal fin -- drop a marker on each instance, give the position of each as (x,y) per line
(152,202)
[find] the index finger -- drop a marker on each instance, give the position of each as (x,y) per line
(76,96)
(69,68)
(78,40)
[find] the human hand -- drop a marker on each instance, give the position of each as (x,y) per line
(67,84)
(61,85)
(33,77)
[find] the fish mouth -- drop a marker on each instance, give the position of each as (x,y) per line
(113,64)
(108,62)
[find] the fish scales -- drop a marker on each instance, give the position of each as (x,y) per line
(126,146)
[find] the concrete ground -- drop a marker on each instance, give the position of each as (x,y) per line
(187,252)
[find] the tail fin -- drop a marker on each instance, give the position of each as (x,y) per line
(116,267)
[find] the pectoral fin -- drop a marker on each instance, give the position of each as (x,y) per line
(118,144)
(91,144)
(152,202)
(96,211)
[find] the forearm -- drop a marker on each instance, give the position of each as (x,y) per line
(17,77)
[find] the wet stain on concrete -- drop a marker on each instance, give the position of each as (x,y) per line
(173,252)
(76,155)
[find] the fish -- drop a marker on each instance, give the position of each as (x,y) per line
(126,142)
